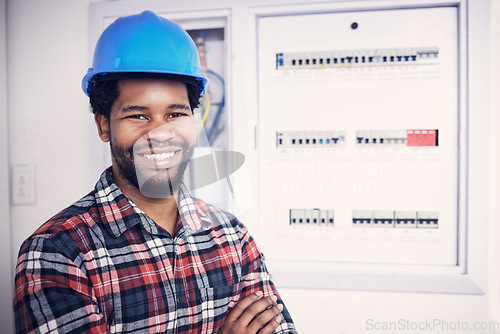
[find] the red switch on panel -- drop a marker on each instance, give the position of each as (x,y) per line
(422,137)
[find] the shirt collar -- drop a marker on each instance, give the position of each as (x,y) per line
(191,213)
(120,213)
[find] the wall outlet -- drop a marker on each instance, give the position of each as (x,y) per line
(23,185)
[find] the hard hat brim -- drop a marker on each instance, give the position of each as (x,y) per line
(200,82)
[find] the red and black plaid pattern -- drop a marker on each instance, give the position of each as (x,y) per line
(103,266)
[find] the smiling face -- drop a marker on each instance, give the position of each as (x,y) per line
(152,134)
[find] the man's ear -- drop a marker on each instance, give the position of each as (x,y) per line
(102,127)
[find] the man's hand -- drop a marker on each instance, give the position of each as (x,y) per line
(251,314)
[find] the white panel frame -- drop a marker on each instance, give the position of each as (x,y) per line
(470,274)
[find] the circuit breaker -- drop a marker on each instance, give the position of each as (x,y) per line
(358,137)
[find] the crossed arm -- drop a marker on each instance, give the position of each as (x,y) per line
(252,313)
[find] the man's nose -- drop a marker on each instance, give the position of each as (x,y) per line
(161,133)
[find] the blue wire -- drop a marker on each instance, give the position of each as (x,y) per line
(221,105)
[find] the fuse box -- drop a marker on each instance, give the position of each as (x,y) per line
(358,136)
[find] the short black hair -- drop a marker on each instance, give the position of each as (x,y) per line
(104,93)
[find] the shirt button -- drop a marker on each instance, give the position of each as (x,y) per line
(178,300)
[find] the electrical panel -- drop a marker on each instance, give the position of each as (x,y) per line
(358,132)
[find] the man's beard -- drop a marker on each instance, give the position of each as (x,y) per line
(164,183)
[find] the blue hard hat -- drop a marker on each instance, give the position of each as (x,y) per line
(145,44)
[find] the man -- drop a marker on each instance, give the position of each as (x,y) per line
(139,254)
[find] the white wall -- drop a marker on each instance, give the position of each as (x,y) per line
(47,50)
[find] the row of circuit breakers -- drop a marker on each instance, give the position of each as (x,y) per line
(362,218)
(297,139)
(357,58)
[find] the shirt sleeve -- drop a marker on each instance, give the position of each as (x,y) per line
(255,277)
(52,294)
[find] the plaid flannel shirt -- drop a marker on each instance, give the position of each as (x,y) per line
(103,266)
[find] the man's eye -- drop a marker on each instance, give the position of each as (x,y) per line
(176,115)
(139,117)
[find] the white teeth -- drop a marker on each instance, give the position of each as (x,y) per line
(160,156)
